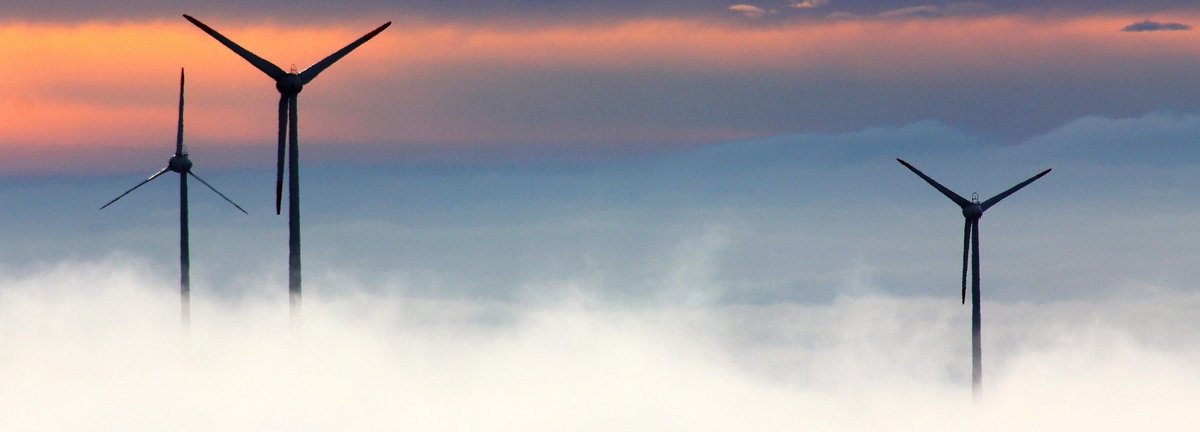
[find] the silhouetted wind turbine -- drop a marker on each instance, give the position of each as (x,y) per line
(289,85)
(972,211)
(181,164)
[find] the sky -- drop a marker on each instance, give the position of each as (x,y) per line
(554,82)
(651,215)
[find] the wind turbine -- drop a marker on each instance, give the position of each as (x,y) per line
(181,164)
(973,210)
(289,85)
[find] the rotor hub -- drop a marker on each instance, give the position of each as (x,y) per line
(290,84)
(180,164)
(973,211)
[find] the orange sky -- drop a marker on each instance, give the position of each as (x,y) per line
(114,85)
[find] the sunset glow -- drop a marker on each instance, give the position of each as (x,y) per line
(449,86)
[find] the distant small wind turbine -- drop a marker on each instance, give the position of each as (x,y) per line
(181,164)
(289,85)
(972,211)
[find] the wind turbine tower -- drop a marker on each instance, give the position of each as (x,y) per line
(289,84)
(181,164)
(972,211)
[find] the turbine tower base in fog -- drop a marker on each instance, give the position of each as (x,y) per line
(976,319)
(185,264)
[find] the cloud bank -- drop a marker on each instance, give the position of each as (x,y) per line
(96,345)
(785,218)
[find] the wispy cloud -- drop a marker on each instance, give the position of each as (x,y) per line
(750,11)
(1150,26)
(923,11)
(808,4)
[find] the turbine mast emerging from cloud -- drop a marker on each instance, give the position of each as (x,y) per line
(972,211)
(181,164)
(289,85)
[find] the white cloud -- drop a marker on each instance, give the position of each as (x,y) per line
(808,4)
(750,11)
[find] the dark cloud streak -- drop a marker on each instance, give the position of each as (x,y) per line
(1152,26)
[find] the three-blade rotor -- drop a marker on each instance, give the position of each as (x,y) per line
(179,162)
(972,211)
(289,85)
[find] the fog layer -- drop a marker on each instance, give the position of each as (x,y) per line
(96,345)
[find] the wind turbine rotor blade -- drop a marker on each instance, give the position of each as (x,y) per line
(283,119)
(966,254)
(962,202)
(147,180)
(312,71)
(267,67)
(217,191)
(179,130)
(993,200)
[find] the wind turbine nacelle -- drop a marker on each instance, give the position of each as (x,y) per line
(180,164)
(289,84)
(973,211)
